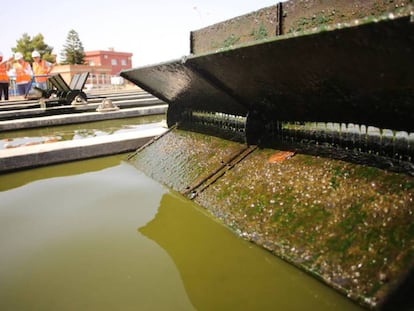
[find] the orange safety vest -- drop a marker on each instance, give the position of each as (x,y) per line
(22,76)
(40,68)
(4,78)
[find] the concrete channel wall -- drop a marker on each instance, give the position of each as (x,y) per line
(284,18)
(349,225)
(29,116)
(26,123)
(65,151)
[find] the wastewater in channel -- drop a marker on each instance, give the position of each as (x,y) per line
(100,235)
(35,136)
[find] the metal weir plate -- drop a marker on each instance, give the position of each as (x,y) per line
(359,74)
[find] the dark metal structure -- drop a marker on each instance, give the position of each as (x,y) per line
(60,93)
(342,87)
(359,74)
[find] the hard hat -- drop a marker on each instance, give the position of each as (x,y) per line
(18,56)
(35,54)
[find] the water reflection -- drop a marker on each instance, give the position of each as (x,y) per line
(14,139)
(222,272)
(20,178)
(113,239)
(70,243)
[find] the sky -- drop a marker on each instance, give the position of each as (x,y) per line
(154,31)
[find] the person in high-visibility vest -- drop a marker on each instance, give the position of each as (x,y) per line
(41,70)
(23,73)
(4,77)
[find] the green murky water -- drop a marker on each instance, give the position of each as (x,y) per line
(100,235)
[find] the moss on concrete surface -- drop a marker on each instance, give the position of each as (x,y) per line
(349,225)
(181,158)
(297,16)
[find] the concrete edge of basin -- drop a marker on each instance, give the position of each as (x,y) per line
(12,125)
(65,151)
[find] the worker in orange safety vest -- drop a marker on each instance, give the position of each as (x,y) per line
(4,77)
(23,73)
(41,70)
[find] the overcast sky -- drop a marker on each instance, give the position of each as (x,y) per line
(153,30)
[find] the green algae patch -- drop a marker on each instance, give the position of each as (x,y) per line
(349,225)
(182,158)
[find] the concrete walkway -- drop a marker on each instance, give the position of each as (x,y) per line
(59,152)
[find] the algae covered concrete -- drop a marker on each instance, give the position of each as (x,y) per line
(286,18)
(349,225)
(306,14)
(181,159)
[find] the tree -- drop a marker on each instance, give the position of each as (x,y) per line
(26,45)
(73,52)
(44,49)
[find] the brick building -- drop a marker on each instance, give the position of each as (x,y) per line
(118,61)
(99,76)
(103,67)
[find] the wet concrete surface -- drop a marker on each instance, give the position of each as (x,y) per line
(346,224)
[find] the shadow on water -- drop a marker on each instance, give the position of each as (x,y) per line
(223,272)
